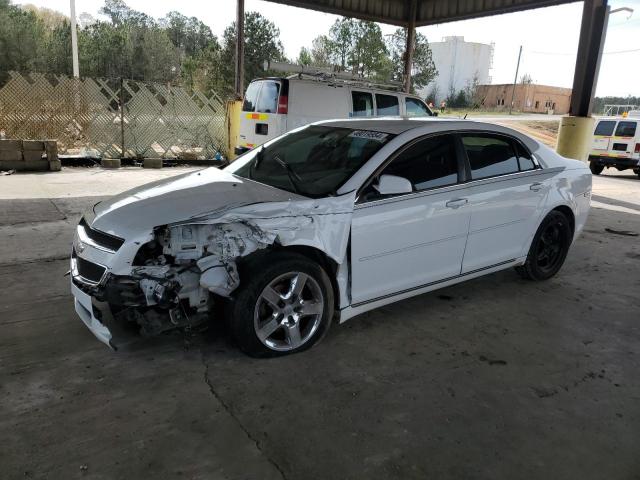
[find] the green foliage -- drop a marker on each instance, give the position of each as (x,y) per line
(177,48)
(321,51)
(600,102)
(423,70)
(261,42)
(304,57)
(189,35)
(21,33)
(354,45)
(341,41)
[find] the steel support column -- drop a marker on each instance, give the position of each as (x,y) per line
(239,81)
(410,45)
(593,31)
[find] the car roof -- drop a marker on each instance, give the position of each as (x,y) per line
(399,125)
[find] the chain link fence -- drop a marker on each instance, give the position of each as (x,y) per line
(113,118)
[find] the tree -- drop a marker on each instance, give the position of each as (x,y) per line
(21,38)
(368,53)
(526,79)
(341,40)
(304,57)
(189,35)
(120,14)
(261,42)
(471,91)
(423,70)
(321,51)
(434,94)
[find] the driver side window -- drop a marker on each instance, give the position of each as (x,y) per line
(428,163)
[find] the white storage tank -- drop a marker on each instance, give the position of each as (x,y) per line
(458,62)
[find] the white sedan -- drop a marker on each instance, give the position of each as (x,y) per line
(324,223)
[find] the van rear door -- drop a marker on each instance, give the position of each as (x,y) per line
(622,143)
(602,137)
(264,112)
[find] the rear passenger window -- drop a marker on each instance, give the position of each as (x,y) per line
(428,163)
(605,127)
(387,105)
(524,158)
(626,129)
(362,104)
(489,156)
(268,99)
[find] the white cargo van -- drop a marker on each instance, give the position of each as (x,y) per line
(275,105)
(616,143)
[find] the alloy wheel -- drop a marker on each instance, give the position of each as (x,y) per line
(288,311)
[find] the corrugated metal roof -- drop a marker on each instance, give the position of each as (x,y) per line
(429,12)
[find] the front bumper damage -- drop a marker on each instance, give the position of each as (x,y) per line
(171,278)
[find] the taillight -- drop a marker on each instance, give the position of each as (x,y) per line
(283,104)
(637,149)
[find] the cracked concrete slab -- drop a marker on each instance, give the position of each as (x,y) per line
(78,404)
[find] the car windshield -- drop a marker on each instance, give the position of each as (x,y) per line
(314,161)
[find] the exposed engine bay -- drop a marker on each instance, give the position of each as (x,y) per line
(177,277)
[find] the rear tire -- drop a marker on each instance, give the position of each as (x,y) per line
(637,172)
(595,168)
(549,248)
(284,305)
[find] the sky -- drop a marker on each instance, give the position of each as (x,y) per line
(549,36)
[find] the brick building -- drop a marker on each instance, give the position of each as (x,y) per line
(528,97)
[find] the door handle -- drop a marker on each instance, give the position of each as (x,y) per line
(456,203)
(536,186)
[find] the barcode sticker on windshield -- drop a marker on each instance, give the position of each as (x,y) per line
(378,136)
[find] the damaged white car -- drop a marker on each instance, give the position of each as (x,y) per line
(323,223)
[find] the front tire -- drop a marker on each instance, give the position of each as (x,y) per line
(284,305)
(549,248)
(595,168)
(637,172)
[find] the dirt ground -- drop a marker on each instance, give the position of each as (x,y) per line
(543,131)
(493,378)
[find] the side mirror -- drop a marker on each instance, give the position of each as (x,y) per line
(393,185)
(435,114)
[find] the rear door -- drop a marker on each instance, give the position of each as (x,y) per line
(506,194)
(260,120)
(602,137)
(622,143)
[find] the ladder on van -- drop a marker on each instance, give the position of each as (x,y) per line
(328,74)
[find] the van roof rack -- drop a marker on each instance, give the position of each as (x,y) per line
(327,74)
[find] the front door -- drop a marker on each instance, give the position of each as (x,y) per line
(402,242)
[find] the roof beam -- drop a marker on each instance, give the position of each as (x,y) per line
(429,12)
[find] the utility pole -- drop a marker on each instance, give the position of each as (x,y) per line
(239,82)
(74,40)
(410,45)
(515,80)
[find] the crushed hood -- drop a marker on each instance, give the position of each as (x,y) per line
(194,195)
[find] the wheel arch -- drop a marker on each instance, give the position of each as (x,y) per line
(314,254)
(567,212)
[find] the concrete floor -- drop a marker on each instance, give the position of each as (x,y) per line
(493,378)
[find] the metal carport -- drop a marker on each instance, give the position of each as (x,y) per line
(573,138)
